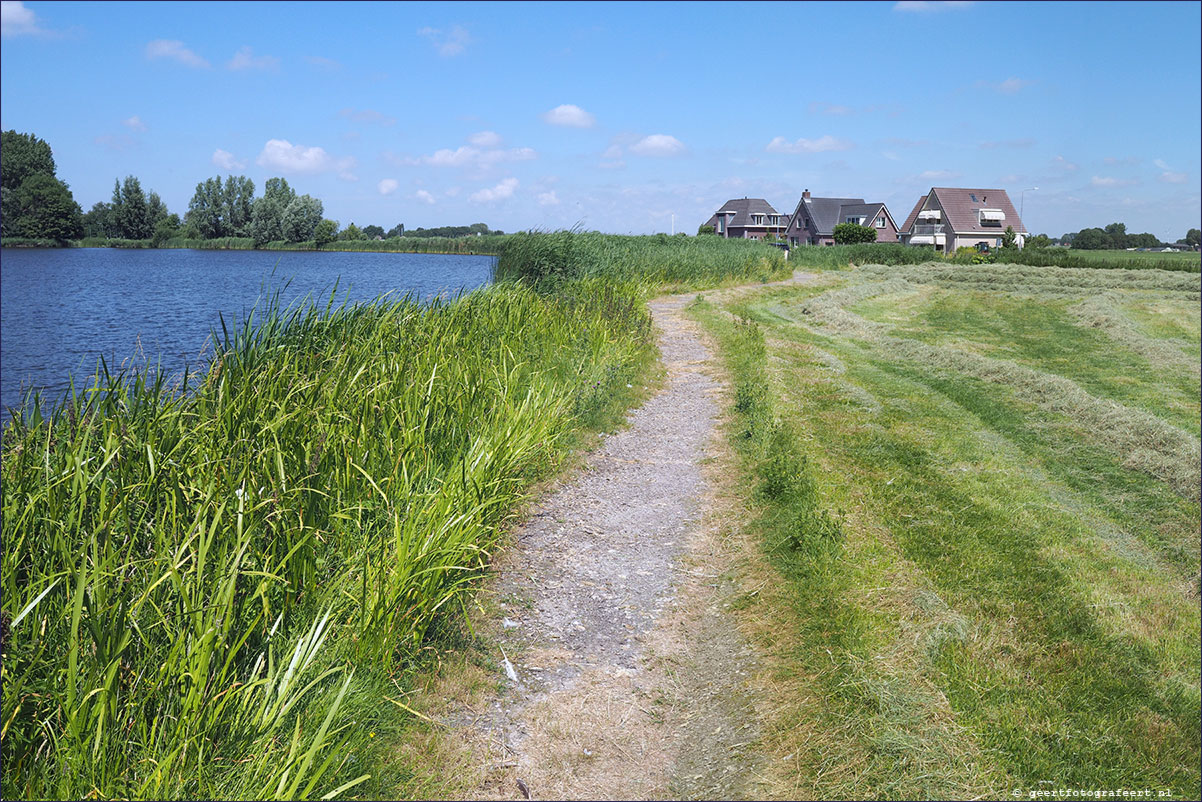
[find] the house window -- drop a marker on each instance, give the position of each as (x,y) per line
(722,224)
(880,221)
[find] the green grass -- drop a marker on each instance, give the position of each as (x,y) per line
(1014,597)
(210,590)
(838,257)
(655,261)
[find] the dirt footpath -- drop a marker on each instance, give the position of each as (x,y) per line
(626,672)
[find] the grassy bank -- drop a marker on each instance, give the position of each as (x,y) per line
(214,593)
(979,506)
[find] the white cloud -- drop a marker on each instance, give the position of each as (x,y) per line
(658,145)
(282,155)
(938,175)
(245,59)
(134,123)
(824,143)
(467,156)
(324,63)
(450,43)
(1169,177)
(548,199)
(1109,181)
(1063,164)
(501,191)
(929,5)
(175,50)
(387,186)
(366,116)
(1161,164)
(17,20)
(424,197)
(1009,86)
(569,116)
(226,161)
(485,139)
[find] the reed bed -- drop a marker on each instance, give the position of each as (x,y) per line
(658,260)
(490,244)
(203,584)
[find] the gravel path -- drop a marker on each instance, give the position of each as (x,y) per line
(626,674)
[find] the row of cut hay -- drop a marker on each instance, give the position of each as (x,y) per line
(1023,279)
(1145,442)
(199,589)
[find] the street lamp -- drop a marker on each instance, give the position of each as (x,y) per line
(1021,198)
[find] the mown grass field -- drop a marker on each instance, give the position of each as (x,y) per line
(979,504)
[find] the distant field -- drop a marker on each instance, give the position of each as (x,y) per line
(987,542)
(1146,256)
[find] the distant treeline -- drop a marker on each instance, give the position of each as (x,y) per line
(39,211)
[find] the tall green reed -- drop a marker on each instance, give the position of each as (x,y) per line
(189,576)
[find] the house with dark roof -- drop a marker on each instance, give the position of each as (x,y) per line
(813,221)
(953,217)
(747,218)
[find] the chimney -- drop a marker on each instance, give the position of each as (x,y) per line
(805,195)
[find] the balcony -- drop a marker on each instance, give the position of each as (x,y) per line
(928,231)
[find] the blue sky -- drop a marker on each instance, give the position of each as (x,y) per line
(619,116)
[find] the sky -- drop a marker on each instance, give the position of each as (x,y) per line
(624,118)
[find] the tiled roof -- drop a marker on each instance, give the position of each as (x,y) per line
(866,210)
(743,207)
(825,212)
(913,214)
(961,209)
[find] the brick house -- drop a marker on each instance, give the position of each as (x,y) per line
(953,217)
(814,220)
(747,218)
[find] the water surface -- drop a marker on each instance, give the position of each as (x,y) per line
(61,310)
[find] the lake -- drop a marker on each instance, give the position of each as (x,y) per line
(61,310)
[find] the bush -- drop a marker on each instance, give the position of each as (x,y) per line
(852,233)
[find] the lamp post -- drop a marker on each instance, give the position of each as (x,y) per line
(1021,198)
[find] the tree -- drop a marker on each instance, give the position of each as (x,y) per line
(1008,237)
(396,231)
(371,232)
(33,201)
(1144,240)
(300,219)
(1117,232)
(46,209)
(325,232)
(267,212)
(23,156)
(133,214)
(1091,239)
(850,233)
(237,205)
(351,232)
(1039,241)
(98,221)
(703,229)
(1193,238)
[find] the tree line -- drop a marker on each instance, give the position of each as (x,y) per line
(1115,237)
(37,205)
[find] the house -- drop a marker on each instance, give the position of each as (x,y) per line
(747,218)
(955,217)
(814,220)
